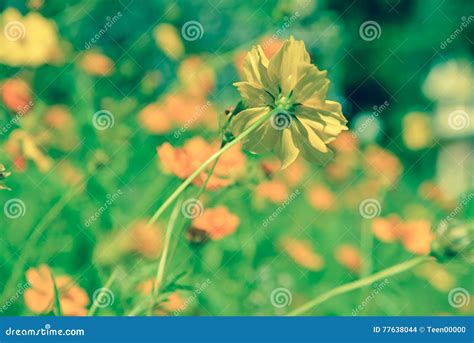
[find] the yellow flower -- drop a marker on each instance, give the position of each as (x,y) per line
(304,121)
(30,40)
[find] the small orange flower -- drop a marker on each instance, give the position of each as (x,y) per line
(302,253)
(416,236)
(349,256)
(346,142)
(96,64)
(153,119)
(16,95)
(58,117)
(184,161)
(382,164)
(39,298)
(386,229)
(216,222)
(274,190)
(145,240)
(321,198)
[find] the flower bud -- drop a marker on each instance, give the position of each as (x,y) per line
(454,240)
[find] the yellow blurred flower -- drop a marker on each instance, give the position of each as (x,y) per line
(197,78)
(40,296)
(168,39)
(306,121)
(31,40)
(417,131)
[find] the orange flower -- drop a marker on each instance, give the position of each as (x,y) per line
(188,110)
(416,236)
(184,161)
(39,297)
(216,222)
(382,164)
(386,229)
(302,253)
(96,64)
(321,198)
(349,256)
(145,240)
(58,117)
(16,95)
(153,119)
(274,190)
(346,142)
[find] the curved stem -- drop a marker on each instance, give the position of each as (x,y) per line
(396,269)
(164,255)
(203,166)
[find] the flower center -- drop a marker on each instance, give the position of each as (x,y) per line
(283,102)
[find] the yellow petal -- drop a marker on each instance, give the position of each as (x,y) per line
(255,69)
(311,81)
(246,118)
(286,149)
(253,94)
(283,67)
(264,140)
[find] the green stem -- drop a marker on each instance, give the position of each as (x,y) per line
(164,255)
(203,166)
(366,245)
(396,269)
(107,284)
